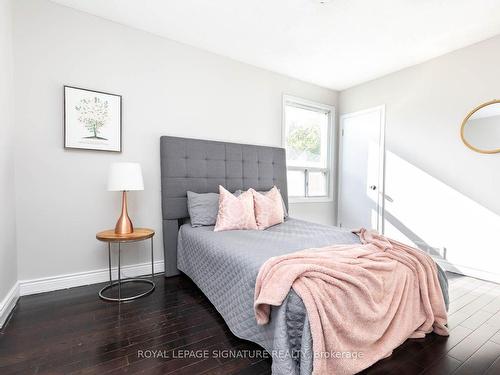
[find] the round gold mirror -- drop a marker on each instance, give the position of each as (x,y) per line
(480,129)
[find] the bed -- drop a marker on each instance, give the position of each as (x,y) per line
(224,265)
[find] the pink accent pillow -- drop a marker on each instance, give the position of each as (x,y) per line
(235,212)
(268,208)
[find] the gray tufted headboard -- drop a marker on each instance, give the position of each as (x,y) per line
(201,166)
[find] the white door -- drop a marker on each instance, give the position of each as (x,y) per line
(361,169)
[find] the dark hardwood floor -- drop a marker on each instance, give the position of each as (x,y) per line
(73,331)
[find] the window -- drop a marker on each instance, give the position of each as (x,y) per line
(306,137)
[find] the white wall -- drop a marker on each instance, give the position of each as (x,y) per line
(168,89)
(8,257)
(445,195)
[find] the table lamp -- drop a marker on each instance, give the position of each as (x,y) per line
(125,177)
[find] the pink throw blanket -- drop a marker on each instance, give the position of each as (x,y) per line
(362,301)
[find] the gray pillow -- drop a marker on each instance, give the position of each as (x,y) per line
(285,211)
(202,208)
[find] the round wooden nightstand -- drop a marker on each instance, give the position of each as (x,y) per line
(139,234)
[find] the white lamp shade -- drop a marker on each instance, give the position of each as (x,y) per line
(125,177)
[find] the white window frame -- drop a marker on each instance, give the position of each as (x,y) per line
(330,142)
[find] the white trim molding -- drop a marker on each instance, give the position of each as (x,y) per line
(381,175)
(467,271)
(331,142)
(48,284)
(8,303)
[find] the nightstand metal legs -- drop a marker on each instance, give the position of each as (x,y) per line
(119,273)
(119,282)
(152,263)
(109,263)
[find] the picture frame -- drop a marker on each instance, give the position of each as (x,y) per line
(92,120)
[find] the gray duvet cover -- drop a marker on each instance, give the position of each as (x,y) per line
(224,265)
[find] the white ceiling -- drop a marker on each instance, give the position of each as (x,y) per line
(337,45)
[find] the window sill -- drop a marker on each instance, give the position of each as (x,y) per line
(310,200)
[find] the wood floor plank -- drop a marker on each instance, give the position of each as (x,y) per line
(447,365)
(464,288)
(493,306)
(472,343)
(394,365)
(229,367)
(496,338)
(74,332)
(259,368)
(437,349)
(469,297)
(494,369)
(494,321)
(481,360)
(476,320)
(466,311)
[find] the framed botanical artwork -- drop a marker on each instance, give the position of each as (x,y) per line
(92,120)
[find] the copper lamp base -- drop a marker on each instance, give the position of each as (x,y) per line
(124,224)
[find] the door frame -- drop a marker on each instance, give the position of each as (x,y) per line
(381,176)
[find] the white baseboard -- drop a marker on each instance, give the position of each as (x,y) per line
(8,303)
(48,284)
(468,271)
